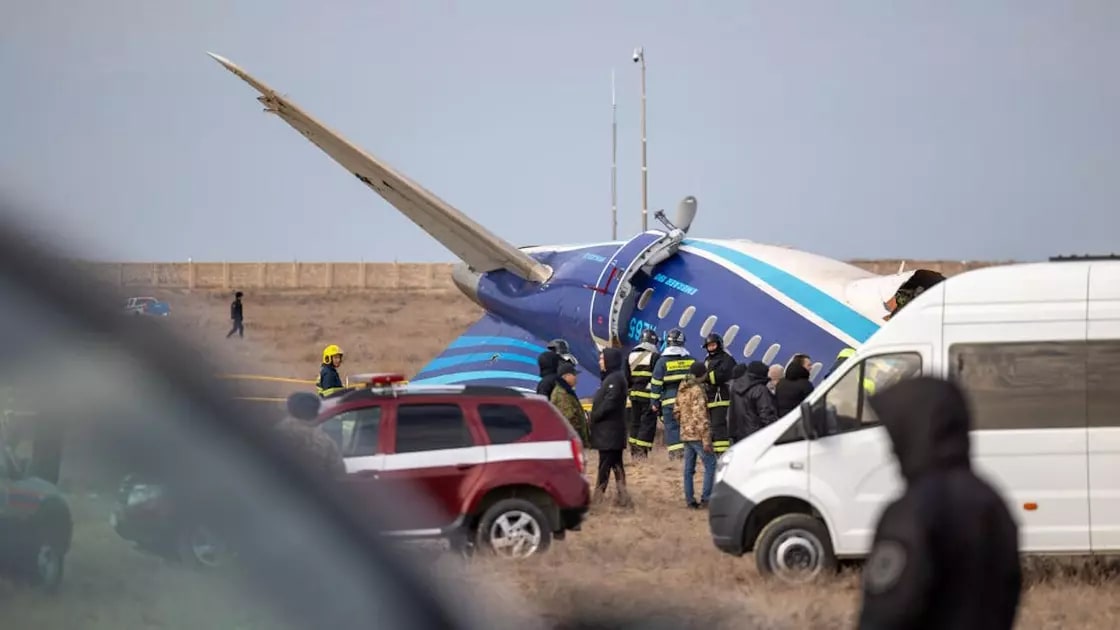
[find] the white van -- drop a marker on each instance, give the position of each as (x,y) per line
(1037,349)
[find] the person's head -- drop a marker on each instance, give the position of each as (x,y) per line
(332,355)
(928,421)
(675,337)
(697,370)
(610,360)
(567,372)
(804,359)
(559,346)
(776,373)
(649,336)
(238,295)
(713,343)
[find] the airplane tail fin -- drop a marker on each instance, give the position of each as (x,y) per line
(481,249)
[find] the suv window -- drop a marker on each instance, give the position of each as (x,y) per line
(504,423)
(844,408)
(430,427)
(355,431)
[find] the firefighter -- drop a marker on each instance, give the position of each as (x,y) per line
(643,422)
(844,355)
(329,381)
(671,368)
(720,366)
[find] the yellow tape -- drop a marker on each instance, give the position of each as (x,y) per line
(260,399)
(260,377)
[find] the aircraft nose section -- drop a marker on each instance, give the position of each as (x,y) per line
(466,280)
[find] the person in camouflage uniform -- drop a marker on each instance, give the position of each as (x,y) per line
(308,440)
(564,398)
(691,412)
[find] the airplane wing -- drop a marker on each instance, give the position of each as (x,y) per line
(481,249)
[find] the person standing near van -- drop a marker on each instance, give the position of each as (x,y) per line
(237,314)
(717,385)
(643,425)
(671,369)
(795,387)
(564,398)
(694,415)
(608,424)
(945,554)
(752,404)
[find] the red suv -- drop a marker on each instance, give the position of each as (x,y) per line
(503,470)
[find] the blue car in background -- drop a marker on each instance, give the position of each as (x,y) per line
(147,306)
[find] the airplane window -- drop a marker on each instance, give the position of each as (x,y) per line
(666,306)
(686,316)
(643,301)
(708,325)
(814,370)
(751,346)
(729,336)
(771,352)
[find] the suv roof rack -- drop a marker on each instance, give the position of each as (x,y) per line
(1073,257)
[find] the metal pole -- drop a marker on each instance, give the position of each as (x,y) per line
(645,171)
(614,162)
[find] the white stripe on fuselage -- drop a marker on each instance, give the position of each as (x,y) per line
(772,292)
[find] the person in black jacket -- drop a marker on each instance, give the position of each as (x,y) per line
(945,554)
(548,362)
(794,387)
(608,424)
(752,404)
(237,314)
(717,385)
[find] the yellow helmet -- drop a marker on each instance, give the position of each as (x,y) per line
(330,351)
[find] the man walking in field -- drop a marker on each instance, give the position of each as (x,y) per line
(237,314)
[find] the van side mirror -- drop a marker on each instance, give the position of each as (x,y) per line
(812,423)
(303,406)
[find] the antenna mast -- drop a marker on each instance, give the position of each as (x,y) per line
(614,162)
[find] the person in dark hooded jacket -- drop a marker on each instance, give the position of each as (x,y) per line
(945,554)
(752,404)
(794,387)
(608,423)
(548,362)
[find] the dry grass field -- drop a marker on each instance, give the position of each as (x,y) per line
(654,557)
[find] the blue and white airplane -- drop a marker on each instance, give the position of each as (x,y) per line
(768,302)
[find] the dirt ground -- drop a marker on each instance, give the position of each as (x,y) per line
(656,556)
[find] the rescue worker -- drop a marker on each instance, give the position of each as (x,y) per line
(608,424)
(841,357)
(329,381)
(752,404)
(671,368)
(564,398)
(945,554)
(795,387)
(643,422)
(693,414)
(309,441)
(548,362)
(717,384)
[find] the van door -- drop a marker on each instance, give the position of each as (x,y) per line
(1103,366)
(852,471)
(1029,418)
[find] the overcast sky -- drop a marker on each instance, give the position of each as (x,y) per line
(954,129)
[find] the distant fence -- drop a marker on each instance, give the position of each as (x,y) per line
(371,276)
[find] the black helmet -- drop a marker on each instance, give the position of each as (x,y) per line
(649,335)
(559,346)
(675,337)
(715,338)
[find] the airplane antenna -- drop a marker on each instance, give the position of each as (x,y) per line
(614,162)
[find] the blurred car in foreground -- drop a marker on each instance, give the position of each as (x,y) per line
(35,525)
(146,306)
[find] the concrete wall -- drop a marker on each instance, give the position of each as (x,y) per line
(371,276)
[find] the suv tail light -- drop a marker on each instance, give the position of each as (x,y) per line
(577,453)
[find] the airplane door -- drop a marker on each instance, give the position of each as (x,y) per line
(853,474)
(1103,366)
(1028,416)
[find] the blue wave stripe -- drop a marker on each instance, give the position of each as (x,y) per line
(828,308)
(445,362)
(460,377)
(467,341)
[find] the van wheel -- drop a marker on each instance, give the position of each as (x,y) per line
(795,548)
(200,547)
(514,528)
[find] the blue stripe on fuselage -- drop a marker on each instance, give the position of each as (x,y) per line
(818,302)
